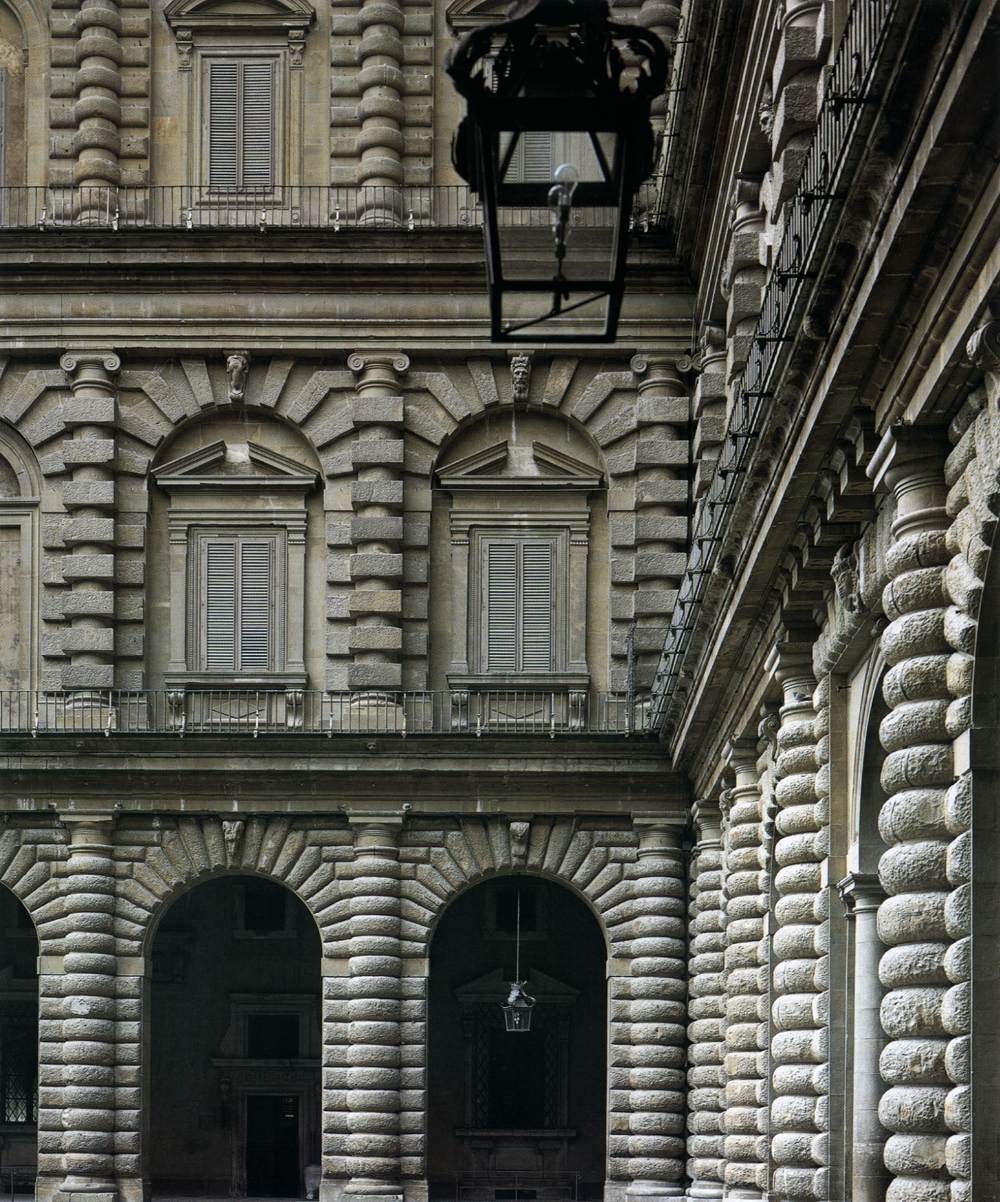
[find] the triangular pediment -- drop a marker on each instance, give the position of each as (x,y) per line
(239,14)
(509,465)
(469,14)
(224,463)
(493,986)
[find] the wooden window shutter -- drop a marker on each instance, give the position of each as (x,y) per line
(223,125)
(519,606)
(501,607)
(256,605)
(258,125)
(220,605)
(241,114)
(536,148)
(536,607)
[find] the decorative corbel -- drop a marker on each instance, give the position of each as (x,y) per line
(237,368)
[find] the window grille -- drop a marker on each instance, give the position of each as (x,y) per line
(18,1066)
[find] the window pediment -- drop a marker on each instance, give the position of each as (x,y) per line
(513,466)
(469,14)
(493,987)
(239,16)
(233,465)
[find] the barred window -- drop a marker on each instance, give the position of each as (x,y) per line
(18,1064)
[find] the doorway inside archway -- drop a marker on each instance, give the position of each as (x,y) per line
(18,1048)
(517,1115)
(235,1020)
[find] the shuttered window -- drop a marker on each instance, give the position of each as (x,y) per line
(531,162)
(519,605)
(241,120)
(238,605)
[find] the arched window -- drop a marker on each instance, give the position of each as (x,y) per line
(233,505)
(525,509)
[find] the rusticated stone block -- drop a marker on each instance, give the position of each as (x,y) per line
(377,410)
(377,492)
(88,567)
(378,452)
(88,676)
(89,411)
(85,638)
(89,530)
(375,676)
(376,528)
(97,493)
(375,638)
(88,450)
(88,604)
(375,564)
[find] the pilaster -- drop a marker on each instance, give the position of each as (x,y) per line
(376,636)
(88,567)
(706,1008)
(862,894)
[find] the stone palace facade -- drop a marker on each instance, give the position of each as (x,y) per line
(351,664)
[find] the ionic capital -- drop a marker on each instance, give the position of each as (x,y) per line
(378,369)
(659,374)
(91,369)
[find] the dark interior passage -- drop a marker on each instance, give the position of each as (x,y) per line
(517,1114)
(235,1093)
(18,1046)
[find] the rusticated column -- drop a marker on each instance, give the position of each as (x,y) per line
(745,276)
(88,1013)
(656,1016)
(796,97)
(800,1073)
(373,1077)
(663,18)
(97,111)
(862,896)
(380,59)
(376,638)
(660,501)
(746,903)
(88,566)
(706,1008)
(916,774)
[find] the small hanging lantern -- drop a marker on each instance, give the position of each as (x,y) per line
(519,1005)
(558,100)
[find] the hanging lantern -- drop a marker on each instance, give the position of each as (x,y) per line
(558,99)
(519,1005)
(517,1008)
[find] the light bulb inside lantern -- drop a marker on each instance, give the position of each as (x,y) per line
(561,192)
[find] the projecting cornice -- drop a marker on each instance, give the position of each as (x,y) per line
(241,16)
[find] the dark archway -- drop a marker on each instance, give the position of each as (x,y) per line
(18,1047)
(517,1115)
(235,1043)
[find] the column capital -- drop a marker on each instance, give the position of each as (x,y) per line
(656,835)
(90,832)
(706,817)
(860,892)
(90,367)
(378,369)
(659,373)
(905,454)
(741,754)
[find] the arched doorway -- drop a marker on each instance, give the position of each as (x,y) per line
(517,1115)
(18,1048)
(235,1016)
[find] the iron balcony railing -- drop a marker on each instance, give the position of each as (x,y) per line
(334,209)
(808,224)
(294,711)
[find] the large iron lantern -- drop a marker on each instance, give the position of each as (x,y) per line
(517,1008)
(556,142)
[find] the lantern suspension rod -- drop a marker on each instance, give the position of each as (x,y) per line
(517,941)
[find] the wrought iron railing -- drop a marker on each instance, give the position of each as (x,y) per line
(334,209)
(808,223)
(298,711)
